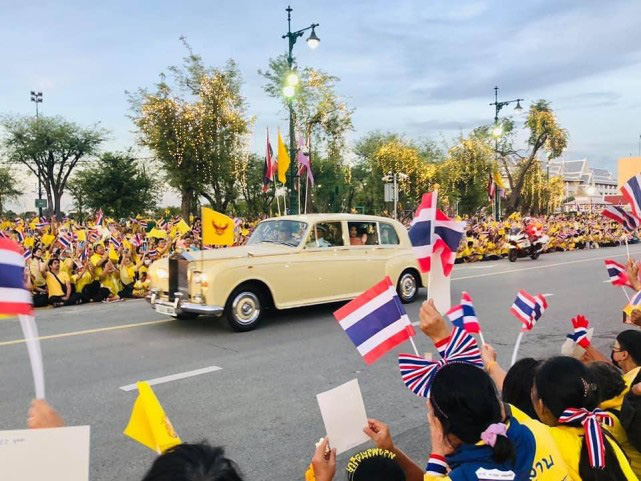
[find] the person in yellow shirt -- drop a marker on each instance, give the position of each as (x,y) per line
(626,354)
(84,279)
(110,284)
(128,273)
(38,268)
(565,398)
(611,389)
(59,285)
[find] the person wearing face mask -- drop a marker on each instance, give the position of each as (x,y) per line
(626,354)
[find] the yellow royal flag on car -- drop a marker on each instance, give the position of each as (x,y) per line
(218,229)
(283,160)
(148,424)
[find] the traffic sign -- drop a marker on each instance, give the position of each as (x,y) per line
(41,203)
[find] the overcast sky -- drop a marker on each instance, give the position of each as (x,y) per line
(426,68)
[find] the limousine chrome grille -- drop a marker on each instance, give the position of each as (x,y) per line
(178,281)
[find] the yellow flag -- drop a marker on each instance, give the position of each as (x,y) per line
(148,424)
(29,241)
(182,227)
(157,233)
(81,235)
(47,239)
(283,160)
(113,255)
(218,229)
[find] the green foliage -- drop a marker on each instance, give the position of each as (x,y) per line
(319,112)
(9,188)
(117,184)
(254,202)
(51,148)
(197,129)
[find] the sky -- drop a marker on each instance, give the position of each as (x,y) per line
(425,68)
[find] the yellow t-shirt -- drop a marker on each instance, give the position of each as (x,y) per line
(94,259)
(548,461)
(66,266)
(127,274)
(53,286)
(570,440)
(34,268)
(83,280)
(629,376)
(112,283)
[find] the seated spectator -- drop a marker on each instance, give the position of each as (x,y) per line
(564,397)
(193,462)
(59,285)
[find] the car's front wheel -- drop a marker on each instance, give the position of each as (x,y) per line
(244,308)
(407,287)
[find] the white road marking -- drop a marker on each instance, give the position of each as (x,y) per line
(173,377)
(415,323)
(547,294)
(544,266)
(489,266)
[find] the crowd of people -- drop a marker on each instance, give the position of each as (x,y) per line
(561,418)
(487,239)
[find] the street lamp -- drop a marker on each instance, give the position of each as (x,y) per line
(37,98)
(289,91)
(393,178)
(497,132)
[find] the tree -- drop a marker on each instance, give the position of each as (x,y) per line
(463,177)
(117,184)
(540,194)
(251,183)
(51,148)
(319,113)
(9,188)
(545,133)
(197,129)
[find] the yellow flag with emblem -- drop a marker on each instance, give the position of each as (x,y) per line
(218,229)
(47,239)
(157,233)
(283,160)
(148,424)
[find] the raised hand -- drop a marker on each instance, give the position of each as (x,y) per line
(432,323)
(580,335)
(378,432)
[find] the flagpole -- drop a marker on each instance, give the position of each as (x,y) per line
(626,293)
(30,333)
(306,190)
(627,248)
(414,346)
(516,348)
(482,338)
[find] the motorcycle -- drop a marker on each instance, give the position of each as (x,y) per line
(520,245)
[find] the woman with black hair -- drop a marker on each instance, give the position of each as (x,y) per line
(565,398)
(626,354)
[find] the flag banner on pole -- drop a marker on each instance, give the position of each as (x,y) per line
(148,424)
(269,167)
(99,217)
(218,229)
(304,164)
(631,190)
(375,321)
(463,316)
(418,373)
(14,298)
(634,304)
(617,274)
(620,215)
(64,241)
(528,309)
(422,230)
(283,160)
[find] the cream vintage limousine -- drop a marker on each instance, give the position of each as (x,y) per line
(289,261)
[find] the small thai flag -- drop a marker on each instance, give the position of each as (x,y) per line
(152,253)
(83,254)
(617,274)
(64,241)
(116,243)
(422,231)
(14,298)
(143,224)
(447,237)
(528,309)
(26,255)
(631,190)
(375,321)
(636,300)
(93,236)
(464,316)
(99,217)
(620,215)
(163,223)
(41,225)
(20,236)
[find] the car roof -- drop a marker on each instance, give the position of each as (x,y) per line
(310,218)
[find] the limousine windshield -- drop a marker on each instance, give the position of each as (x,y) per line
(285,232)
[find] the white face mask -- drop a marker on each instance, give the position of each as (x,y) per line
(147,262)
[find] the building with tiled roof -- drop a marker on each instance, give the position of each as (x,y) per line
(578,176)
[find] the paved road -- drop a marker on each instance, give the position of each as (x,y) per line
(261,405)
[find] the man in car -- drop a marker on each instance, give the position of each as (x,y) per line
(320,231)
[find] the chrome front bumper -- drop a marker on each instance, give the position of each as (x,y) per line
(178,306)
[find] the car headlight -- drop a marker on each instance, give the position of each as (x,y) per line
(162,273)
(200,278)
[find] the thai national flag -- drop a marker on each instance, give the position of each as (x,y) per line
(620,215)
(636,300)
(617,274)
(464,316)
(26,255)
(64,241)
(143,224)
(631,190)
(20,236)
(447,237)
(270,167)
(422,231)
(14,298)
(93,236)
(99,217)
(528,309)
(375,321)
(116,243)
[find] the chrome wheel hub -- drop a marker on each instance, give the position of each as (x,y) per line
(246,308)
(408,286)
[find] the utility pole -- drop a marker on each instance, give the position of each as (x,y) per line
(37,98)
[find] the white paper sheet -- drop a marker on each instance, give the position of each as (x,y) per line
(58,454)
(344,416)
(439,286)
(569,348)
(30,332)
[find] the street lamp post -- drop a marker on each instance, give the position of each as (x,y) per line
(393,178)
(37,98)
(290,90)
(497,131)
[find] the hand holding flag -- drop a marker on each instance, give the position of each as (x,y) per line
(580,334)
(617,273)
(528,309)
